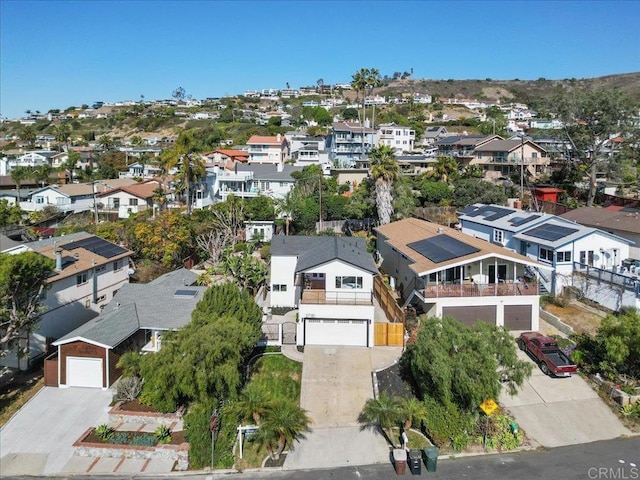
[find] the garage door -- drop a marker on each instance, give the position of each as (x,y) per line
(471,315)
(84,372)
(320,331)
(517,317)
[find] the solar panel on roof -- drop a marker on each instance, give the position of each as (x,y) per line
(550,232)
(442,248)
(98,246)
(489,212)
(517,221)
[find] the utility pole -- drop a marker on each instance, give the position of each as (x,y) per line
(522,171)
(320,201)
(95,205)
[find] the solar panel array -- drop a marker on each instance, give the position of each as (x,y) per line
(441,248)
(517,221)
(98,246)
(489,212)
(550,232)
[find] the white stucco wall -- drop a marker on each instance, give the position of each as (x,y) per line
(283,273)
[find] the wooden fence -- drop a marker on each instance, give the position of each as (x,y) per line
(387,301)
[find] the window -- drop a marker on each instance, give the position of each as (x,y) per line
(498,236)
(39,200)
(586,257)
(101,298)
(81,278)
(101,268)
(546,254)
(117,265)
(348,282)
(279,287)
(564,256)
(133,202)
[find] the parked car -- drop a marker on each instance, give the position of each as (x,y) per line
(547,354)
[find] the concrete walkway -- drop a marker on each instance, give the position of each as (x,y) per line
(336,383)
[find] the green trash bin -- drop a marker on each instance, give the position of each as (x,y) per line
(431,458)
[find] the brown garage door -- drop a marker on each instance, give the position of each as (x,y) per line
(471,315)
(517,317)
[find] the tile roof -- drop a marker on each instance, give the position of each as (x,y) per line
(266,140)
(409,230)
(625,220)
(140,190)
(313,251)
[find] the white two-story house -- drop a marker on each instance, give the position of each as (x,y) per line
(568,249)
(89,271)
(400,139)
(268,149)
(330,281)
(443,272)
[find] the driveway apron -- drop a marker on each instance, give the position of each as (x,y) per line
(336,383)
(561,411)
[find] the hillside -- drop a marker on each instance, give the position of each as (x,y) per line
(525,91)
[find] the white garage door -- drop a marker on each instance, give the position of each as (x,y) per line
(84,372)
(321,331)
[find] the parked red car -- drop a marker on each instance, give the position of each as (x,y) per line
(547,354)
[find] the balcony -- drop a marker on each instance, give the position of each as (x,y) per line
(324,297)
(480,290)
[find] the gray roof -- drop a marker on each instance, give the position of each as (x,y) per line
(269,171)
(313,251)
(505,145)
(163,304)
(177,278)
(59,241)
(108,329)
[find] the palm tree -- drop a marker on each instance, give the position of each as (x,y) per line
(445,169)
(383,411)
(28,134)
(284,423)
(106,142)
(252,405)
(18,174)
(129,363)
(41,173)
(62,134)
(191,166)
(359,84)
(191,170)
(374,80)
(384,170)
(411,409)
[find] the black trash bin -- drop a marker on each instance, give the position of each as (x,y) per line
(415,462)
(431,458)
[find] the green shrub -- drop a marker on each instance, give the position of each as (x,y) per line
(119,438)
(500,433)
(144,440)
(104,432)
(162,434)
(446,425)
(196,425)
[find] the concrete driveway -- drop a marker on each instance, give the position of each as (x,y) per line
(336,383)
(561,411)
(38,439)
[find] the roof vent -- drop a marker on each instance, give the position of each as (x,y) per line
(185,294)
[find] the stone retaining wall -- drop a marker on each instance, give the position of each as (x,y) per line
(177,453)
(556,322)
(118,416)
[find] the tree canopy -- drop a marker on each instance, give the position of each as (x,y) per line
(22,281)
(456,364)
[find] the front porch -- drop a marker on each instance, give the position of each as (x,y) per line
(324,297)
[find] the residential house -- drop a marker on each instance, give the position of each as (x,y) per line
(308,150)
(415,164)
(260,230)
(401,139)
(462,147)
(76,197)
(432,134)
(141,170)
(330,281)
(268,149)
(622,222)
(89,271)
(350,144)
(545,124)
(30,159)
(567,249)
(500,158)
(444,272)
(226,156)
(129,199)
(134,320)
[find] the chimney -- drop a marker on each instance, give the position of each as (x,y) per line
(58,252)
(278,138)
(280,166)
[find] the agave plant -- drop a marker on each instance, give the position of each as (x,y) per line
(104,432)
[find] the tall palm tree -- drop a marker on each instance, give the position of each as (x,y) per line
(359,84)
(184,156)
(62,134)
(383,411)
(374,80)
(384,171)
(106,142)
(283,424)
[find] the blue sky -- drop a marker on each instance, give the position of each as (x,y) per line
(54,54)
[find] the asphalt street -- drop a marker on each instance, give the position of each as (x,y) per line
(610,459)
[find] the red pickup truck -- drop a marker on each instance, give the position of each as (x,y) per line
(547,354)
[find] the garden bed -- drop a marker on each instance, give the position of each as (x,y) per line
(135,412)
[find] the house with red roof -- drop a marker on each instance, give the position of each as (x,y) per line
(129,199)
(268,149)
